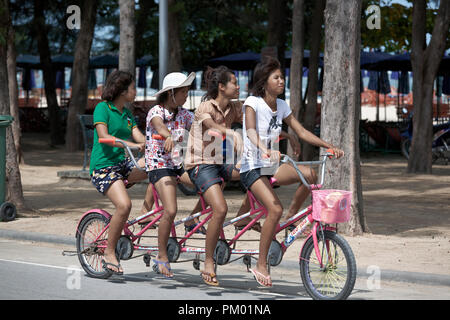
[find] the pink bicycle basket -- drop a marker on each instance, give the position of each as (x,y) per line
(331,206)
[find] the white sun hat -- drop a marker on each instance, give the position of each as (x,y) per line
(176,80)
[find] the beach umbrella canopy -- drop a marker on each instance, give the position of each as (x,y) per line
(237,61)
(370,60)
(28,61)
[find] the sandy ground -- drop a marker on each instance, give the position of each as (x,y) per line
(408,215)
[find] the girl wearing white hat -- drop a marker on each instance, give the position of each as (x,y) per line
(168,120)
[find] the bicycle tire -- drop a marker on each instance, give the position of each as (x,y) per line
(89,255)
(309,267)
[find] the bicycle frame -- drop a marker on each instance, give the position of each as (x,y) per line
(256,209)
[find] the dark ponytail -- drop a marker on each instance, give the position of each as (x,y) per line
(212,78)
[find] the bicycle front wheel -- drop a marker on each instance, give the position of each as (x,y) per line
(91,247)
(335,279)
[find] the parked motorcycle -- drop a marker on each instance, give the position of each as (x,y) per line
(441,139)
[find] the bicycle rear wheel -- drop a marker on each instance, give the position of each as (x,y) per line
(336,278)
(89,250)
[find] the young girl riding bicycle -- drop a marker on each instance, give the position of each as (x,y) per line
(263,117)
(204,161)
(169,121)
(109,168)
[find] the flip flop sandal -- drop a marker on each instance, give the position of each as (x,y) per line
(117,266)
(212,276)
(165,264)
(257,274)
(200,230)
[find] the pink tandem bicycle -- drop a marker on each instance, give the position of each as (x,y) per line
(326,261)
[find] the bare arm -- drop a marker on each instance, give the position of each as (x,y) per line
(309,137)
(162,130)
(293,141)
(102,132)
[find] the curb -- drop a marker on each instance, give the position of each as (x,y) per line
(363,272)
(36,236)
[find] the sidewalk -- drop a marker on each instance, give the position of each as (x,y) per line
(408,215)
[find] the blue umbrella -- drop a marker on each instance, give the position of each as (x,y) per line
(379,81)
(92,82)
(385,86)
(403,83)
(142,80)
(394,75)
(60,81)
(446,85)
(373,80)
(28,81)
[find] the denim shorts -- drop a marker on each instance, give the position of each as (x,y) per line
(205,175)
(103,178)
(249,177)
(156,174)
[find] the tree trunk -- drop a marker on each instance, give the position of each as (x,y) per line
(296,74)
(80,76)
(14,93)
(276,37)
(313,77)
(49,73)
(175,60)
(12,174)
(341,103)
(425,62)
(127,55)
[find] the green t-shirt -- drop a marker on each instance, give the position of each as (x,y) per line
(120,125)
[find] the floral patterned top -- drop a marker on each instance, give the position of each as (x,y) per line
(179,125)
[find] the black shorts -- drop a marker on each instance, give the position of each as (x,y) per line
(249,177)
(156,174)
(205,175)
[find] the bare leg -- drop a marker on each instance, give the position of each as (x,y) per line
(286,175)
(184,179)
(214,197)
(119,197)
(167,192)
(245,206)
(263,191)
(147,205)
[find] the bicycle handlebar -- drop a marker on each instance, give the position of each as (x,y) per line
(329,154)
(126,147)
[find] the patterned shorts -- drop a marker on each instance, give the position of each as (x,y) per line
(103,178)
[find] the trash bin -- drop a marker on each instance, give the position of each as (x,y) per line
(7,210)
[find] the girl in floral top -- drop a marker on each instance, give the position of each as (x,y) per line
(163,155)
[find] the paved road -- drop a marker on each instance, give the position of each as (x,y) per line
(40,271)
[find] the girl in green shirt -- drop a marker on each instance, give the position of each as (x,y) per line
(109,167)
